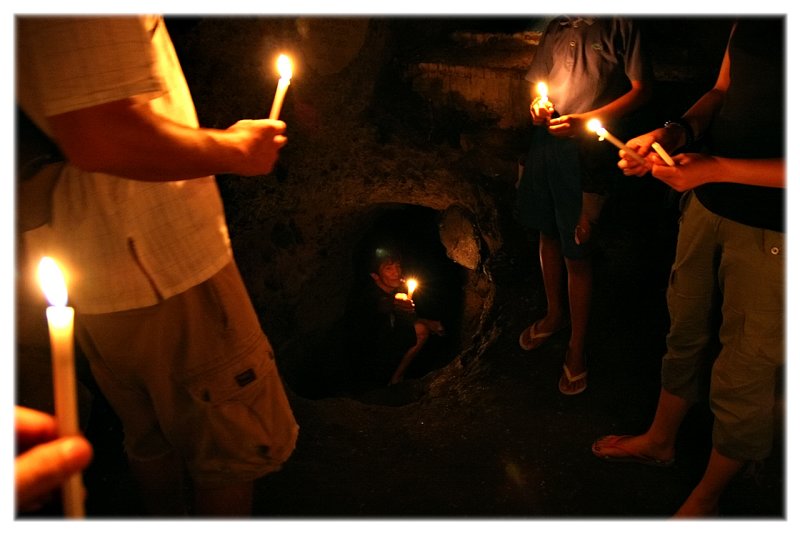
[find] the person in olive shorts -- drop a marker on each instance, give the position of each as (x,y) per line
(729,266)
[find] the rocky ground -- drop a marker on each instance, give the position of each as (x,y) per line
(494,439)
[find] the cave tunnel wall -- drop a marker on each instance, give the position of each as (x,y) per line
(364,134)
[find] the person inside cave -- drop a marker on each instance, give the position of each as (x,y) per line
(384,331)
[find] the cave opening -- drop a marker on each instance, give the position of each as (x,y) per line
(320,365)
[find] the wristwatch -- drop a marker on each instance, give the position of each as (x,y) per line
(687,129)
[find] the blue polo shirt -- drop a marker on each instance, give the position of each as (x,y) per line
(576,53)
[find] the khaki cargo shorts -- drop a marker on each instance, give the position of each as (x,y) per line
(195,375)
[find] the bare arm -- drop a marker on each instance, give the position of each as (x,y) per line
(698,169)
(127,138)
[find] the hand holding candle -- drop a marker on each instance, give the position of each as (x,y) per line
(595,126)
(60,322)
(285,70)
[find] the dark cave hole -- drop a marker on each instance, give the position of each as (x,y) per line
(320,366)
(415,231)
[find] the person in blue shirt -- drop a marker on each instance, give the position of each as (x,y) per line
(593,68)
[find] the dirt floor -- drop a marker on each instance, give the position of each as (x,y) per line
(494,439)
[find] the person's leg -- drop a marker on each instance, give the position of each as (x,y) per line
(552,264)
(422,332)
(658,442)
(743,379)
(691,297)
(704,499)
(579,286)
(161,485)
(552,267)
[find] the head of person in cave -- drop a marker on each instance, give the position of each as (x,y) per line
(386,269)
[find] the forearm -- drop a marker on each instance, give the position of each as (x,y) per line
(700,115)
(634,99)
(760,172)
(130,140)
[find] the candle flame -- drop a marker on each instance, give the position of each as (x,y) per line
(412,285)
(52,281)
(541,88)
(596,126)
(285,66)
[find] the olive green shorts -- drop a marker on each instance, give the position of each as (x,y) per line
(725,267)
(195,375)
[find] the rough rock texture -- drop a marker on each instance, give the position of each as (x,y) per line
(388,114)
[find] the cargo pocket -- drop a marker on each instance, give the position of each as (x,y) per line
(245,427)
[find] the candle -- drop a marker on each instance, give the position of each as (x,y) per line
(663,153)
(595,126)
(401,296)
(412,285)
(60,322)
(541,88)
(285,70)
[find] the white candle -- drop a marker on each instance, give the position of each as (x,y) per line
(595,126)
(412,285)
(663,154)
(285,70)
(60,322)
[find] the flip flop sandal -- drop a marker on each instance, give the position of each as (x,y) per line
(571,380)
(536,339)
(628,456)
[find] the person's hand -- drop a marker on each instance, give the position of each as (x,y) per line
(690,171)
(43,460)
(404,305)
(259,141)
(541,113)
(668,138)
(568,125)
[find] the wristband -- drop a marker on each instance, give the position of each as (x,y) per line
(687,129)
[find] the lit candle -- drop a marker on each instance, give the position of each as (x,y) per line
(595,126)
(285,70)
(60,322)
(541,88)
(412,285)
(663,153)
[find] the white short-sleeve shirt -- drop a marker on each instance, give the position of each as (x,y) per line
(123,243)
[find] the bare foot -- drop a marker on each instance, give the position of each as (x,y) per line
(634,449)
